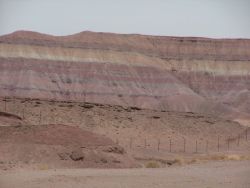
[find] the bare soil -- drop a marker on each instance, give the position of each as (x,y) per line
(228,174)
(57,146)
(139,131)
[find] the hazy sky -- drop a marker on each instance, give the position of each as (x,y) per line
(209,18)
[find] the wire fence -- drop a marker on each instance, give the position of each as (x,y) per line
(189,145)
(219,143)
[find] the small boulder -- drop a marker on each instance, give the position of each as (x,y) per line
(103,160)
(63,156)
(77,155)
(115,149)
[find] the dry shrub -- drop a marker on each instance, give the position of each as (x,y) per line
(233,157)
(216,157)
(152,164)
(178,161)
(43,167)
(245,157)
(194,161)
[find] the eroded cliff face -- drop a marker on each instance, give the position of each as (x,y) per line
(167,73)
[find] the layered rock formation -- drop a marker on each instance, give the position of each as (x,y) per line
(168,73)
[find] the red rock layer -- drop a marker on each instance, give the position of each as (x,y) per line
(173,73)
(163,47)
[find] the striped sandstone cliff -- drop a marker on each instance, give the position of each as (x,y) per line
(167,73)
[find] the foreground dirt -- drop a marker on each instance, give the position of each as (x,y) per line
(58,146)
(229,174)
(39,137)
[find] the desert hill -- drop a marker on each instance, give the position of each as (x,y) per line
(52,132)
(184,74)
(51,146)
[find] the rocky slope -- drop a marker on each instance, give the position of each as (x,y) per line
(143,133)
(50,146)
(168,73)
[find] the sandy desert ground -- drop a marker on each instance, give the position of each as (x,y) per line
(230,174)
(36,125)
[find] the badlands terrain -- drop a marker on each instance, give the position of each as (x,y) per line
(164,73)
(132,103)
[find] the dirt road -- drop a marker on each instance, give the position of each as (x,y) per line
(230,174)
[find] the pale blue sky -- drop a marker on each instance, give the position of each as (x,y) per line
(207,18)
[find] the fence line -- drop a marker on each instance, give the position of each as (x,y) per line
(225,143)
(182,145)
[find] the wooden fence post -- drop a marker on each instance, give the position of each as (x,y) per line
(40,117)
(184,145)
(170,145)
(218,143)
(13,106)
(207,146)
(238,143)
(196,146)
(23,113)
(246,134)
(130,144)
(159,144)
(5,105)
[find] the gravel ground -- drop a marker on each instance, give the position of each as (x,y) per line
(230,174)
